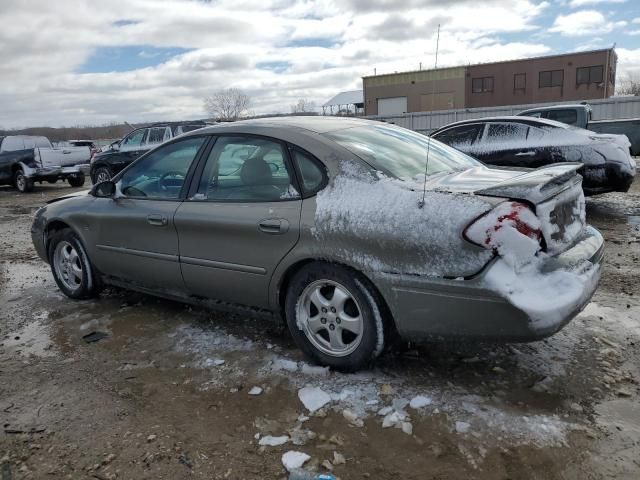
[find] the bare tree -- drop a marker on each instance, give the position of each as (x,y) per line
(629,86)
(227,105)
(303,106)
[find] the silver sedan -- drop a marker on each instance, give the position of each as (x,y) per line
(351,231)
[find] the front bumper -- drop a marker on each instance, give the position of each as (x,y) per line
(428,308)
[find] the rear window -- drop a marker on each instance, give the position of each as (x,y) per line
(399,152)
(568,116)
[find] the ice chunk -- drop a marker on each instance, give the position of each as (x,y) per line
(462,427)
(419,401)
(255,391)
(314,370)
(284,364)
(292,460)
(313,398)
(270,441)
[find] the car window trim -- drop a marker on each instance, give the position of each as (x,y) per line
(203,161)
(187,179)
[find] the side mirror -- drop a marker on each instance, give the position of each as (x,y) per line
(104,189)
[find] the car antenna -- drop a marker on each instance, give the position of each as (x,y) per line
(433,95)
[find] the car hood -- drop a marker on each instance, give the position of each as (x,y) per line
(533,185)
(70,195)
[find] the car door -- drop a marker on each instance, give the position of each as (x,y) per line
(131,147)
(241,218)
(136,238)
(505,144)
(9,154)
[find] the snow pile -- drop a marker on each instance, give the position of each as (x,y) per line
(375,222)
(208,342)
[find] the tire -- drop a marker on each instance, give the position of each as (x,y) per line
(71,267)
(52,181)
(349,333)
(77,180)
(101,174)
(22,183)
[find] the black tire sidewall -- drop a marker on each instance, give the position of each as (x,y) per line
(97,171)
(77,180)
(28,184)
(373,331)
(89,285)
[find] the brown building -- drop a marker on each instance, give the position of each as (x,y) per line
(556,78)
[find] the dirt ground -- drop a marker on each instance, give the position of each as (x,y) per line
(166,394)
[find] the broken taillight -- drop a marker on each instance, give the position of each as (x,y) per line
(503,226)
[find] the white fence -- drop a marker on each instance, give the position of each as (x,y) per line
(606,109)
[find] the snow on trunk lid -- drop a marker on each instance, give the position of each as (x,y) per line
(562,218)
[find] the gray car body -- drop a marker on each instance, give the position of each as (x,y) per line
(223,259)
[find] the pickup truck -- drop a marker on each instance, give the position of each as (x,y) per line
(580,116)
(27,159)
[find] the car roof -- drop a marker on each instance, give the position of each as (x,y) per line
(317,124)
(557,107)
(536,122)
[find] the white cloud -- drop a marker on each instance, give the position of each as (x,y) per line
(232,44)
(583,23)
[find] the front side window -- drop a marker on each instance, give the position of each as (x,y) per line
(161,174)
(399,152)
(246,169)
(134,140)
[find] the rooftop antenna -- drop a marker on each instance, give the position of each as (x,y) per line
(433,95)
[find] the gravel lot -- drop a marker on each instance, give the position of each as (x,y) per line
(166,393)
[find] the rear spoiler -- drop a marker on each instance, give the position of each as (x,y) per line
(537,185)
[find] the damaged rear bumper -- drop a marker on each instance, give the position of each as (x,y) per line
(429,308)
(43,173)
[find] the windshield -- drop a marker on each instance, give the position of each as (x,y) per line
(400,152)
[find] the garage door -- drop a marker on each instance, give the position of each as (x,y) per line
(392,106)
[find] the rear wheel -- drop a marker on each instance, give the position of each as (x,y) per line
(22,183)
(101,174)
(71,267)
(76,180)
(334,316)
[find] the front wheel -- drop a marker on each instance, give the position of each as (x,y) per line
(22,183)
(71,267)
(335,317)
(101,174)
(76,180)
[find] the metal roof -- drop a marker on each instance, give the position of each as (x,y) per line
(346,98)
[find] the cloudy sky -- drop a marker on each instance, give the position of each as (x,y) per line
(78,62)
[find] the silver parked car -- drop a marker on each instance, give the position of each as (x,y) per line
(352,231)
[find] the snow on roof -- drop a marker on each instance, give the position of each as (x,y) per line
(346,98)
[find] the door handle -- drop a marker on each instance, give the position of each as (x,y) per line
(529,153)
(157,220)
(273,225)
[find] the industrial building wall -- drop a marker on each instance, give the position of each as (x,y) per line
(611,108)
(520,81)
(422,90)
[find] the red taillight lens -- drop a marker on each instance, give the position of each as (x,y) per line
(501,227)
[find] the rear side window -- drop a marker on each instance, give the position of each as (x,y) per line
(42,142)
(311,173)
(158,135)
(568,116)
(134,139)
(501,132)
(12,144)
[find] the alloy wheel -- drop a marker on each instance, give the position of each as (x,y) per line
(330,318)
(68,266)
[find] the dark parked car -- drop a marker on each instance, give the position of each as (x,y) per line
(535,142)
(581,116)
(105,164)
(323,221)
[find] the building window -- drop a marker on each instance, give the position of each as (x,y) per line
(590,74)
(551,78)
(483,84)
(519,81)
